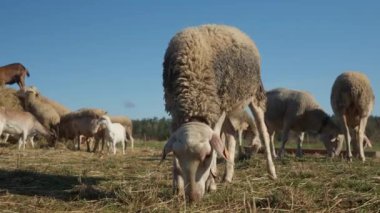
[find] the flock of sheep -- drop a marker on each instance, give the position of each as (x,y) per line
(210,74)
(47,118)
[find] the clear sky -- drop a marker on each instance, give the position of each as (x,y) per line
(109,54)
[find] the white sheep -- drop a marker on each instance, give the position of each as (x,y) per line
(114,133)
(352,101)
(209,71)
(21,124)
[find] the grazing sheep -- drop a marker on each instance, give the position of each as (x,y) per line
(241,122)
(83,122)
(209,71)
(13,73)
(114,133)
(21,124)
(44,112)
(298,111)
(352,101)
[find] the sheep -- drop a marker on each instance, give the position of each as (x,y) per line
(44,112)
(298,111)
(21,124)
(13,73)
(352,100)
(208,71)
(127,123)
(59,108)
(123,120)
(114,133)
(83,122)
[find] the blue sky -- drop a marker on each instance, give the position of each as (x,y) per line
(109,54)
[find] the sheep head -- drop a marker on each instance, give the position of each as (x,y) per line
(194,146)
(329,134)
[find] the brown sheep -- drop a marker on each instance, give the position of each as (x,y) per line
(13,73)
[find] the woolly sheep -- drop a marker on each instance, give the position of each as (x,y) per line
(21,124)
(59,108)
(352,101)
(298,111)
(208,70)
(83,122)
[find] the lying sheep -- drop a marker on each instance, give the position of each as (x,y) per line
(44,112)
(83,122)
(298,111)
(114,133)
(352,101)
(59,108)
(21,124)
(209,71)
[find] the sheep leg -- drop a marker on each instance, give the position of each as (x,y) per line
(241,148)
(6,136)
(347,137)
(210,183)
(24,137)
(284,139)
(20,142)
(273,149)
(114,147)
(231,145)
(32,141)
(132,140)
(300,138)
(258,114)
(339,146)
(178,182)
(361,130)
(79,141)
(123,145)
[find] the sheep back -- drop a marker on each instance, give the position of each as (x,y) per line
(208,69)
(352,95)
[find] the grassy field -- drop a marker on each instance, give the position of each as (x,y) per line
(47,180)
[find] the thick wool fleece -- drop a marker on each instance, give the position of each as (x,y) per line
(209,69)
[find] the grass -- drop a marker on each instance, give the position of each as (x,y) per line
(48,180)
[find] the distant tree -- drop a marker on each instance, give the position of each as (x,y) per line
(152,128)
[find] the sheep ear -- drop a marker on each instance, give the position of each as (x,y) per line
(219,123)
(217,144)
(168,148)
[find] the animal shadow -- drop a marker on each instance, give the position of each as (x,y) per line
(63,187)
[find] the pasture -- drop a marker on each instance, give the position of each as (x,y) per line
(47,180)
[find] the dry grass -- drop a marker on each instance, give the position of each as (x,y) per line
(47,180)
